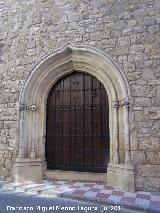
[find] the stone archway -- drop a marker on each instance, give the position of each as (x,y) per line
(29,165)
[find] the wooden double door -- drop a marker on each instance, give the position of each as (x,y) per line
(77,125)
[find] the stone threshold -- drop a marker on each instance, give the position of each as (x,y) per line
(76,176)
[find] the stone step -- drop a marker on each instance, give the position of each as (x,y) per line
(51,193)
(9,186)
(2,183)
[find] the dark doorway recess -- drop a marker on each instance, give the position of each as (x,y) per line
(77,130)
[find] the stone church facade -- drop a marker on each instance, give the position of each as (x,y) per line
(117,42)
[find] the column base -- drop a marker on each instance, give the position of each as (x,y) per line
(28,170)
(121,176)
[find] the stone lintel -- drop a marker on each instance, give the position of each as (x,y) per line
(28,170)
(121,176)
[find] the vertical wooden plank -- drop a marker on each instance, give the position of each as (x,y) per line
(88,122)
(52,128)
(105,142)
(50,133)
(77,151)
(73,122)
(59,128)
(66,123)
(79,122)
(96,125)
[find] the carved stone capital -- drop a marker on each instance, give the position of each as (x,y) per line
(120,103)
(125,102)
(32,107)
(116,104)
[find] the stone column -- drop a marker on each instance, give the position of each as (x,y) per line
(121,175)
(27,167)
(127,145)
(22,151)
(115,146)
(32,152)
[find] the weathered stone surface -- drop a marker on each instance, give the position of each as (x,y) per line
(133,76)
(138,90)
(154,29)
(132,22)
(134,49)
(139,182)
(152,157)
(4,172)
(146,170)
(148,20)
(152,184)
(2,160)
(149,143)
(127,32)
(152,112)
(147,74)
(150,91)
(8,163)
(133,136)
(138,156)
(146,124)
(143,101)
(123,41)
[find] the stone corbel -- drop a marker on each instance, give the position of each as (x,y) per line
(121,103)
(32,107)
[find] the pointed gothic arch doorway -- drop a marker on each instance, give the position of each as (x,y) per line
(30,162)
(77,125)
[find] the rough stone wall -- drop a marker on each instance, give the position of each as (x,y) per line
(129,31)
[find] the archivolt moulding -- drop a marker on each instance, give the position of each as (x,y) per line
(35,92)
